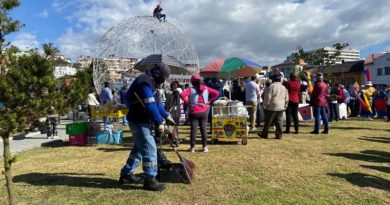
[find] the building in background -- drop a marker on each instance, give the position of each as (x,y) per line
(346,73)
(84,62)
(379,66)
(289,66)
(62,70)
(346,55)
(119,68)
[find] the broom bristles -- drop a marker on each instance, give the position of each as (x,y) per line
(189,168)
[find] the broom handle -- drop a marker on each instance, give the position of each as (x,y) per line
(169,141)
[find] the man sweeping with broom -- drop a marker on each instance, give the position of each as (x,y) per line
(145,109)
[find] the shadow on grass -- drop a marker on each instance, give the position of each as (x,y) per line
(366,155)
(378,168)
(355,128)
(114,149)
(55,143)
(72,180)
(364,180)
(376,139)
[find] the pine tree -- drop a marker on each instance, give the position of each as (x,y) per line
(8,119)
(28,90)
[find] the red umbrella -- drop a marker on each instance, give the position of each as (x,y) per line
(213,68)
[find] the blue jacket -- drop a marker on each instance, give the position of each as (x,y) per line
(144,86)
(105,95)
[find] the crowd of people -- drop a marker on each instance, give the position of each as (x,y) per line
(151,101)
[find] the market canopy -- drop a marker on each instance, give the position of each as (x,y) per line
(239,67)
(213,68)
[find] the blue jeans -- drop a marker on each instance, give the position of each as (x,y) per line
(159,16)
(144,149)
(105,120)
(320,114)
(124,120)
(388,113)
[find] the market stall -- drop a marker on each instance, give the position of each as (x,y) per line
(229,121)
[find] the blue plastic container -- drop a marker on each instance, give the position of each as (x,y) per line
(117,136)
(102,137)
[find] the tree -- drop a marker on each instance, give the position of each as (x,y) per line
(28,91)
(49,50)
(320,57)
(74,91)
(7,27)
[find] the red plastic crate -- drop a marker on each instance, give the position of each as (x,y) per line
(78,140)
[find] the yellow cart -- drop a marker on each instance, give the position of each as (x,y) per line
(117,113)
(229,123)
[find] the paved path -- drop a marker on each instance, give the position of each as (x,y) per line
(35,140)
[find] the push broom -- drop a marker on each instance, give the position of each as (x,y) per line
(187,168)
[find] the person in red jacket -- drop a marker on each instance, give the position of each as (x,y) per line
(197,99)
(294,87)
(319,102)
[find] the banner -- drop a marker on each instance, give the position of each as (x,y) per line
(309,82)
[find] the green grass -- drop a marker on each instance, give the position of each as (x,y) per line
(351,165)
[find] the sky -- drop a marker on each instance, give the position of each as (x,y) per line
(260,30)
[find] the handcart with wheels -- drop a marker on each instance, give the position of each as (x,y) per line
(229,123)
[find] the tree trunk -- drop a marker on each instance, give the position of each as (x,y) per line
(74,115)
(7,167)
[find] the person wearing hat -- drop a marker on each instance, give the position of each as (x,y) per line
(197,99)
(145,109)
(319,102)
(275,103)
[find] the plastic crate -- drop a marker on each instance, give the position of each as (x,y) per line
(77,128)
(104,137)
(94,127)
(78,140)
(100,137)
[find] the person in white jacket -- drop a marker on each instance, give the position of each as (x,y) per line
(92,102)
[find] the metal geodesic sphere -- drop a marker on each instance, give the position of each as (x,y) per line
(134,39)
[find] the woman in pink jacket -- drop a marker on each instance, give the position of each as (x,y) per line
(197,99)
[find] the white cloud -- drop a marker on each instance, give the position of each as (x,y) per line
(25,41)
(44,14)
(264,31)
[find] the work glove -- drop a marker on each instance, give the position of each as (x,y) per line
(161,128)
(170,120)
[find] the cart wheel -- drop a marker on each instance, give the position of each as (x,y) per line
(244,141)
(214,141)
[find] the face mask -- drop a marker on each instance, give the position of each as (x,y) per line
(159,80)
(196,84)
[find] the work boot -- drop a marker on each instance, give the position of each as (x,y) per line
(130,179)
(153,185)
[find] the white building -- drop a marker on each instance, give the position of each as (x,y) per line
(63,70)
(379,65)
(346,55)
(84,61)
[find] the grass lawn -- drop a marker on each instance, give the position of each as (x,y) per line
(351,165)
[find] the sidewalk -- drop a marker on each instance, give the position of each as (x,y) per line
(33,140)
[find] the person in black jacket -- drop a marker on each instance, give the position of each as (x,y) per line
(157,13)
